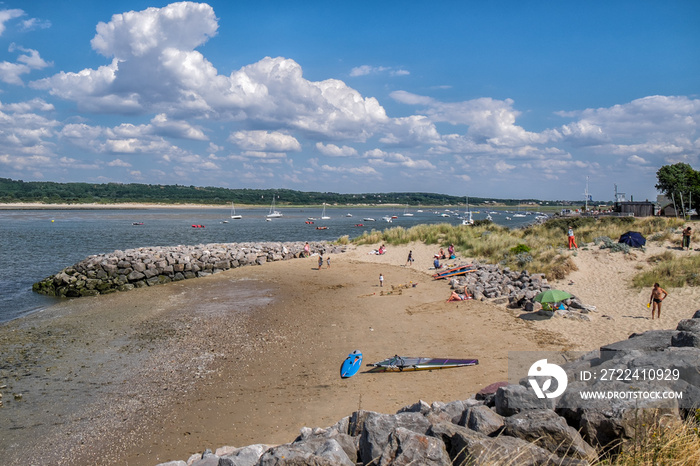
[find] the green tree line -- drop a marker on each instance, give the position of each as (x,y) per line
(109,193)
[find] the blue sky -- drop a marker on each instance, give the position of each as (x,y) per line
(505,99)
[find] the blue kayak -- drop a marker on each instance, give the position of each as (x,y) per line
(351,364)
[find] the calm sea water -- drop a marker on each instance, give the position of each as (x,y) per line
(35,244)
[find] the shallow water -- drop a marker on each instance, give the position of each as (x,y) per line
(79,370)
(35,244)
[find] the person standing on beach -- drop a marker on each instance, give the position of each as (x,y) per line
(328,261)
(306,250)
(381,280)
(656,298)
(572,239)
(409,261)
(686,239)
(320,262)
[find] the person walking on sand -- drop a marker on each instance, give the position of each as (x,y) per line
(381,280)
(320,262)
(306,250)
(572,239)
(686,239)
(656,299)
(409,261)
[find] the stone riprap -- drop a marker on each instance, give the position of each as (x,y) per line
(489,282)
(135,268)
(507,423)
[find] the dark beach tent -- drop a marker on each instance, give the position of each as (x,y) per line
(633,239)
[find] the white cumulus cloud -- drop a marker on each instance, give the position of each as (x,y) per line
(331,150)
(265,141)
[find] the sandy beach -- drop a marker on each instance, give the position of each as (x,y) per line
(252,355)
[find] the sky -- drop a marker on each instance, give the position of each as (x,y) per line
(504,99)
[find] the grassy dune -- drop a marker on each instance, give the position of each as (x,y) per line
(543,248)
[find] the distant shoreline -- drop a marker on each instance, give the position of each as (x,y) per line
(147,205)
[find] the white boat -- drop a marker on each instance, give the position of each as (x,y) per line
(233,213)
(518,214)
(348,215)
(323,214)
(468,220)
(368,219)
(387,219)
(407,214)
(274,213)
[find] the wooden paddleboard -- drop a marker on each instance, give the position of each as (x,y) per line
(351,364)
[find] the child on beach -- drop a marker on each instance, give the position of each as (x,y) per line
(656,298)
(328,261)
(320,262)
(572,240)
(381,280)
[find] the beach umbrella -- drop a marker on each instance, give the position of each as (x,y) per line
(552,296)
(633,238)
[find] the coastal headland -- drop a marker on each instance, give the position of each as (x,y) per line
(252,354)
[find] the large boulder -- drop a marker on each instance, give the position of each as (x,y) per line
(477,451)
(318,452)
(406,447)
(378,427)
(652,340)
(482,419)
(244,456)
(604,422)
(688,333)
(513,399)
(550,431)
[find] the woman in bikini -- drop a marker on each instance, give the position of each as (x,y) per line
(656,298)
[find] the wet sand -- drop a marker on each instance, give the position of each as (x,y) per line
(245,356)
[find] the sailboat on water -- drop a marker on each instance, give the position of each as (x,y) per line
(406,213)
(518,214)
(234,215)
(468,220)
(274,213)
(323,214)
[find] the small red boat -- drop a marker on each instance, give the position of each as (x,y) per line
(197,226)
(322,228)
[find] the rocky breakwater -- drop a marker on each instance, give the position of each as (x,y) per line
(135,268)
(489,282)
(508,423)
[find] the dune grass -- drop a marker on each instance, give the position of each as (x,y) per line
(675,273)
(667,443)
(539,248)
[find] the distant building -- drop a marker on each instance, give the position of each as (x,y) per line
(668,211)
(638,209)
